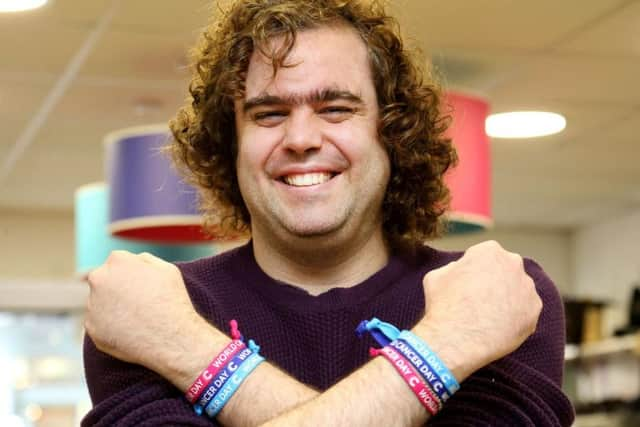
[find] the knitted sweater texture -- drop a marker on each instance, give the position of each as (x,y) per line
(312,338)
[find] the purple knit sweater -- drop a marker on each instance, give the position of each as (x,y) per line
(312,338)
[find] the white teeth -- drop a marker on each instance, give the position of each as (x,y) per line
(307,179)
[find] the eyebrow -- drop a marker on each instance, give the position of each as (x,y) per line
(315,97)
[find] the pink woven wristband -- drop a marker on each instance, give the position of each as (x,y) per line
(201,383)
(411,377)
(234,347)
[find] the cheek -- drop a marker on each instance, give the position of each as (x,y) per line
(361,147)
(257,147)
(377,165)
(380,166)
(245,165)
(248,152)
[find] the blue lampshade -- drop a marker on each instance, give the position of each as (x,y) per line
(94,242)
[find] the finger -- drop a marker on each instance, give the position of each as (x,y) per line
(118,254)
(434,274)
(147,257)
(152,259)
(156,261)
(95,276)
(487,245)
(515,260)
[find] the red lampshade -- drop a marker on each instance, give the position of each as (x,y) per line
(470,181)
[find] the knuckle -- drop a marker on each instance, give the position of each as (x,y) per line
(427,278)
(113,257)
(148,256)
(434,275)
(530,284)
(118,255)
(173,268)
(515,257)
(93,278)
(513,260)
(539,305)
(492,244)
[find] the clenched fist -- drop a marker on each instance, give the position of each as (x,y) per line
(479,308)
(138,310)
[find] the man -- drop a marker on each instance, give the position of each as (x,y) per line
(311,126)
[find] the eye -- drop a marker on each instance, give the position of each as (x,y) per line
(269,118)
(337,113)
(337,110)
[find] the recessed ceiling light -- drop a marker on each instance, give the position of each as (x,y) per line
(18,5)
(524,124)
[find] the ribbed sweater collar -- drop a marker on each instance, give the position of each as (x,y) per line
(244,265)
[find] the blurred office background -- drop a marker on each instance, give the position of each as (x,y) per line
(73,71)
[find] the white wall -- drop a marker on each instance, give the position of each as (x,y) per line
(40,247)
(599,261)
(607,264)
(36,262)
(551,249)
(37,253)
(36,245)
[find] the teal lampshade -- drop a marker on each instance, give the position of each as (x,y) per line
(94,243)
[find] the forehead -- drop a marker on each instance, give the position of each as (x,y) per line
(326,57)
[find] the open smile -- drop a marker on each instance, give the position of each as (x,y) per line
(307,179)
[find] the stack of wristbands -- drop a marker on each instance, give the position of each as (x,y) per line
(222,378)
(424,372)
(421,368)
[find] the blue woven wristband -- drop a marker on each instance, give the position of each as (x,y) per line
(432,359)
(384,333)
(220,380)
(422,366)
(224,394)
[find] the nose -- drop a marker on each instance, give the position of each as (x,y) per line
(302,132)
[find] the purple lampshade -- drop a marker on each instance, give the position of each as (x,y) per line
(148,199)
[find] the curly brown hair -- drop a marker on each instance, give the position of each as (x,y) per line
(411,124)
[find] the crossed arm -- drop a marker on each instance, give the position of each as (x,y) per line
(373,395)
(182,344)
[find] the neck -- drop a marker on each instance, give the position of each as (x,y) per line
(317,265)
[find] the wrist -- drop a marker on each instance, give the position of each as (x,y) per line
(457,355)
(190,352)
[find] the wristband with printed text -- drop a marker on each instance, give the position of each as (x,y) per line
(224,394)
(432,360)
(222,378)
(200,384)
(411,377)
(423,368)
(384,333)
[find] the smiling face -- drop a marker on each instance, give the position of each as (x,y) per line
(309,161)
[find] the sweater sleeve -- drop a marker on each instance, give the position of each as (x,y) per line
(125,395)
(523,388)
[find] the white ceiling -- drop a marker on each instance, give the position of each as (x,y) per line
(577,57)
